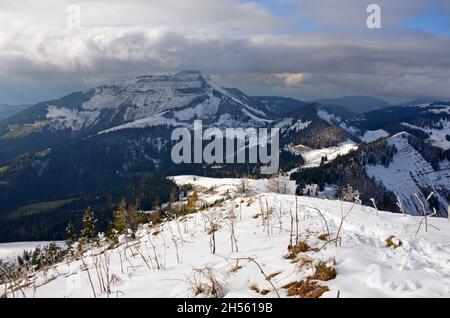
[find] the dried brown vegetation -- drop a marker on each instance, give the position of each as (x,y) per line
(305,289)
(391,244)
(258,290)
(205,282)
(324,272)
(300,247)
(273,275)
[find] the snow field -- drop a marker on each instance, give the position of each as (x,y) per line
(366,267)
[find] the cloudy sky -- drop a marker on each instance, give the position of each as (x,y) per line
(302,48)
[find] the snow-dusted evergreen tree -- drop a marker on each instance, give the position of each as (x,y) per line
(88,233)
(134,217)
(70,234)
(119,217)
(126,217)
(350,195)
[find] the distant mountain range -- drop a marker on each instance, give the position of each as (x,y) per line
(90,148)
(355,104)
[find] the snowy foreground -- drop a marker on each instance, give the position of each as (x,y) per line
(414,266)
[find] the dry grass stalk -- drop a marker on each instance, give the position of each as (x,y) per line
(211,220)
(155,253)
(268,212)
(425,213)
(400,206)
(231,223)
(14,283)
(296,221)
(280,217)
(99,276)
(89,275)
(323,218)
(236,267)
(374,205)
(291,231)
(261,270)
(263,218)
(204,281)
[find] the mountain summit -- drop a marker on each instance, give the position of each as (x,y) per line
(144,101)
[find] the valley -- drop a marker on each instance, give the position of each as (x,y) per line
(61,156)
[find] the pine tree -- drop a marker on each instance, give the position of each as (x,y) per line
(88,232)
(70,234)
(120,217)
(157,204)
(133,216)
(36,257)
(172,198)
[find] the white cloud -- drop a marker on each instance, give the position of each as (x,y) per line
(210,16)
(352,13)
(243,43)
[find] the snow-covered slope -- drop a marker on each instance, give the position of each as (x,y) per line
(335,119)
(415,266)
(351,127)
(373,135)
(438,132)
(409,174)
(313,157)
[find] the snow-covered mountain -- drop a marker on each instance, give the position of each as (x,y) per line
(142,101)
(410,174)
